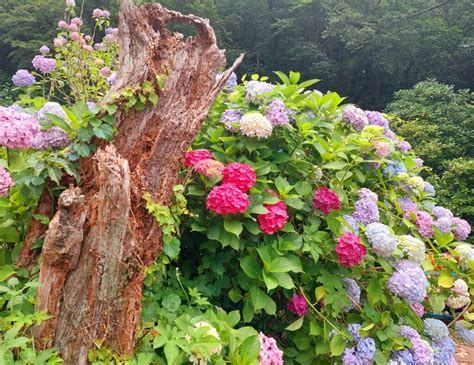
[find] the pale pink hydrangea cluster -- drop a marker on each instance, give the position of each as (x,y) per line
(6,181)
(255,125)
(44,64)
(269,354)
(17,129)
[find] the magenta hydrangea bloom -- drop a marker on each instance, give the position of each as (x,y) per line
(355,117)
(17,129)
(269,354)
(6,181)
(461,229)
(424,221)
(44,64)
(297,304)
(23,78)
(277,113)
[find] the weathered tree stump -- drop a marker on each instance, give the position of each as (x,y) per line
(101,237)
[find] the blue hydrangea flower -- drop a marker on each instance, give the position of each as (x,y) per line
(404,357)
(352,222)
(353,329)
(366,349)
(408,282)
(436,329)
(395,168)
(232,81)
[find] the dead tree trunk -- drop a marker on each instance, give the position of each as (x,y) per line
(101,236)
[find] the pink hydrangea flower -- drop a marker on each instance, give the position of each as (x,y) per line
(297,304)
(62,24)
(17,129)
(269,354)
(70,3)
(382,149)
(209,168)
(424,221)
(275,219)
(349,249)
(97,13)
(75,36)
(44,64)
(418,308)
(6,181)
(326,200)
(59,42)
(461,229)
(240,175)
(227,199)
(191,158)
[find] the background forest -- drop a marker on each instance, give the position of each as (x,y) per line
(365,50)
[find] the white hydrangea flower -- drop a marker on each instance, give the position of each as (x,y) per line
(417,182)
(460,296)
(466,251)
(255,125)
(196,358)
(51,108)
(413,247)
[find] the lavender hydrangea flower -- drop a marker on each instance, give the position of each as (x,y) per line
(232,81)
(91,105)
(390,134)
(381,238)
(366,211)
(436,329)
(111,79)
(368,194)
(462,229)
(413,247)
(6,181)
(353,329)
(409,282)
(352,222)
(353,292)
(23,78)
(44,64)
(441,212)
(429,189)
(231,116)
(444,224)
(465,333)
(376,118)
(409,332)
(44,50)
(366,349)
(52,138)
(403,357)
(256,90)
(418,162)
(407,205)
(404,146)
(349,357)
(277,113)
(422,352)
(17,129)
(444,351)
(355,117)
(51,107)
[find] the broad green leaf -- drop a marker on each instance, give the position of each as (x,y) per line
(250,266)
(296,325)
(337,345)
(233,226)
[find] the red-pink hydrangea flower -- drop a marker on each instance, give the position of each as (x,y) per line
(274,220)
(191,158)
(227,199)
(297,304)
(209,167)
(349,249)
(239,175)
(326,200)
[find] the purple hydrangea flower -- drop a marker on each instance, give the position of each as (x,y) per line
(230,117)
(444,224)
(52,138)
(43,64)
(444,351)
(422,352)
(17,129)
(403,357)
(366,349)
(368,194)
(232,81)
(418,162)
(23,78)
(404,146)
(269,354)
(376,118)
(6,181)
(353,329)
(407,206)
(349,357)
(277,113)
(355,117)
(390,135)
(256,90)
(44,50)
(462,229)
(409,332)
(111,79)
(383,242)
(441,212)
(353,292)
(366,211)
(409,282)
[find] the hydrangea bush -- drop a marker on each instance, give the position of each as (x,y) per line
(301,233)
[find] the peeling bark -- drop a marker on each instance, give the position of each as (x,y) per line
(99,243)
